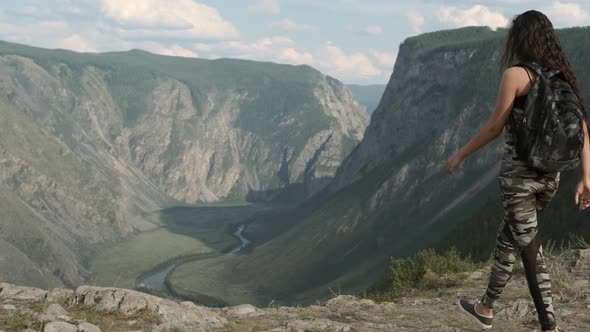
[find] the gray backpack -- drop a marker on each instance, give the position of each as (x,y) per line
(550,136)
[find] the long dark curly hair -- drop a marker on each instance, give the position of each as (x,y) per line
(531,37)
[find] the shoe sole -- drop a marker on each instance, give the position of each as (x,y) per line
(473,318)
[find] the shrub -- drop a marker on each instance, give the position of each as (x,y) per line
(427,270)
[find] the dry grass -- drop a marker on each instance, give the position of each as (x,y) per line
(25,317)
(565,268)
(18,321)
(112,320)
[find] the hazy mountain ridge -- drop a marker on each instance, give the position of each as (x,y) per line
(367,95)
(90,141)
(392,194)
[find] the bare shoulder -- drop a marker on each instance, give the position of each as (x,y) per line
(519,78)
(515,73)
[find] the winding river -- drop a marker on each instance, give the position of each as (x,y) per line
(155,280)
(243,241)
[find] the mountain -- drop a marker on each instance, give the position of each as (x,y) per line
(392,195)
(90,142)
(367,95)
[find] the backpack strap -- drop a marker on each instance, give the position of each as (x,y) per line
(527,73)
(537,68)
(532,66)
(552,72)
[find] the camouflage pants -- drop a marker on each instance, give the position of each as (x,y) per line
(523,199)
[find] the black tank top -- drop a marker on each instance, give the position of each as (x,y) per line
(519,102)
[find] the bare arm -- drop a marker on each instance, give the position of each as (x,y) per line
(493,128)
(582,196)
(585,164)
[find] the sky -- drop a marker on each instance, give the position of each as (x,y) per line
(355,41)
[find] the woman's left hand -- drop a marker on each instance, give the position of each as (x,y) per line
(453,162)
(583,193)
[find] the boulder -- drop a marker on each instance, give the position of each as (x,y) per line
(18,293)
(60,327)
(476,275)
(585,253)
(7,307)
(342,301)
(240,310)
(129,302)
(518,309)
(87,327)
(59,294)
(55,312)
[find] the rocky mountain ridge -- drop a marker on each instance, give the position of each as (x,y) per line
(91,142)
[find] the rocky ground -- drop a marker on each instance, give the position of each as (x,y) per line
(93,309)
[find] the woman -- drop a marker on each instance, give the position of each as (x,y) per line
(525,192)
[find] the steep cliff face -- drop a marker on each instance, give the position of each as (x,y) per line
(437,97)
(442,92)
(90,142)
(392,194)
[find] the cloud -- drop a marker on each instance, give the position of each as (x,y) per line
(268,7)
(75,43)
(106,25)
(275,48)
(49,10)
(289,25)
(475,15)
(416,21)
(202,47)
(373,30)
(378,8)
(261,49)
(345,66)
(175,50)
(41,33)
(328,58)
(186,19)
(293,56)
(567,14)
(384,59)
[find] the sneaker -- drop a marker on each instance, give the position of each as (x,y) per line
(468,308)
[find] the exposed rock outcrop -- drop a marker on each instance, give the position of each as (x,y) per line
(65,313)
(94,309)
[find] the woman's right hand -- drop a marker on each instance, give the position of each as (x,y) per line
(583,193)
(454,161)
